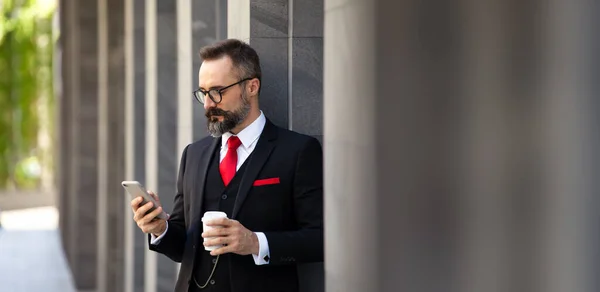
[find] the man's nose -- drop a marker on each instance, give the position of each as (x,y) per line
(208,103)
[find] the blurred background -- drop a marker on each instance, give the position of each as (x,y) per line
(28,34)
(28,39)
(460,138)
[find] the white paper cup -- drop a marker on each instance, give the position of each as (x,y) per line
(210,215)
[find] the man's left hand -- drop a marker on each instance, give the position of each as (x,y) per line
(231,233)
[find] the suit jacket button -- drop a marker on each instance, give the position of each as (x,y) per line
(214,261)
(224,197)
(212,282)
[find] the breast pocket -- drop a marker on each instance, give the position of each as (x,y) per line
(268,187)
(266,182)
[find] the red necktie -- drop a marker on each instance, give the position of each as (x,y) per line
(229,163)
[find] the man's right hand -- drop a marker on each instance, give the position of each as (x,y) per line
(148,223)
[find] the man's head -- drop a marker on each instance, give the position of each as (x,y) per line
(231,73)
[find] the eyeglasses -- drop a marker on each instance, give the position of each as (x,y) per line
(216,95)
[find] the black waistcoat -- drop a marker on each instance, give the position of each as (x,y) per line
(217,197)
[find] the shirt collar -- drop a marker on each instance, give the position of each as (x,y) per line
(248,135)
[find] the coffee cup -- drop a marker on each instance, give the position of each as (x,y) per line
(210,215)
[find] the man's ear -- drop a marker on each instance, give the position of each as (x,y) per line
(254,86)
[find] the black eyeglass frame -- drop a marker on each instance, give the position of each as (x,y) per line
(199,91)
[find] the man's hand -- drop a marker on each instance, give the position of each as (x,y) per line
(148,223)
(236,238)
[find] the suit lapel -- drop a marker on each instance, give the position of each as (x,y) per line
(202,172)
(260,155)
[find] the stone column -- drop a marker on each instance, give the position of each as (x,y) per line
(567,113)
(185,61)
(167,113)
(63,96)
(209,24)
(151,173)
(111,152)
(264,24)
(78,143)
(459,146)
(305,57)
(288,36)
(136,138)
(161,125)
(135,240)
(305,94)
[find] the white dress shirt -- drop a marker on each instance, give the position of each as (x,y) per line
(249,138)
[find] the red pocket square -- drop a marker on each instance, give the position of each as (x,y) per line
(266,181)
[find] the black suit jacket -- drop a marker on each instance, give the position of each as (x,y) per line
(289,213)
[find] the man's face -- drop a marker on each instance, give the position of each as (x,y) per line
(234,106)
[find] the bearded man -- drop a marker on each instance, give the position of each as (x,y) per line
(266,179)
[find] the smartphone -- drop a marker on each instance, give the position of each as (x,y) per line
(135,189)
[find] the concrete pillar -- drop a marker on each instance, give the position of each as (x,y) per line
(167,110)
(185,104)
(111,141)
(161,126)
(209,24)
(135,136)
(288,36)
(134,140)
(305,94)
(78,143)
(569,158)
(151,126)
(186,57)
(458,146)
(305,72)
(264,24)
(63,131)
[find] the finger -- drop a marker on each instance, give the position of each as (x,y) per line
(215,232)
(219,222)
(141,211)
(135,203)
(217,241)
(146,207)
(148,217)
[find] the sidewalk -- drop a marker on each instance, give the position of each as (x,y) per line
(31,257)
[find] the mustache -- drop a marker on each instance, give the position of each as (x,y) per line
(213,111)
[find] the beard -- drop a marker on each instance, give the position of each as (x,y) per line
(230,120)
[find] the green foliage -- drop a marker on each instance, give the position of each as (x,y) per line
(26,94)
(27,172)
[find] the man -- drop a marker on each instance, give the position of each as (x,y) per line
(268,180)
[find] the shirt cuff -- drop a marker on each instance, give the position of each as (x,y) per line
(156,240)
(263,256)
